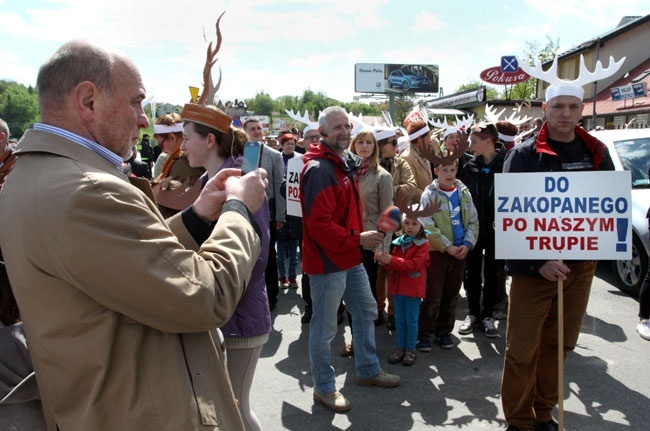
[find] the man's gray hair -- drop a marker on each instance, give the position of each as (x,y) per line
(75,62)
(4,128)
(323,120)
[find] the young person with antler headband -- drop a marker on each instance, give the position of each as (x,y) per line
(483,272)
(529,388)
(212,142)
(454,231)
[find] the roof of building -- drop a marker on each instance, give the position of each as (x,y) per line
(627,23)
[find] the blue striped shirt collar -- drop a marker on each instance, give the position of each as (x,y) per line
(105,153)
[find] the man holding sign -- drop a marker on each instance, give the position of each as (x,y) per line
(529,386)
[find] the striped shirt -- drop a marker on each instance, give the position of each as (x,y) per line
(105,153)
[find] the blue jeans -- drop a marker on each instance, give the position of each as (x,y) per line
(289,246)
(407,310)
(326,292)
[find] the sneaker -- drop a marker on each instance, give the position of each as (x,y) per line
(423,345)
(383,379)
(546,426)
(643,328)
(468,325)
(293,284)
(397,356)
(391,321)
(284,283)
(489,329)
(409,358)
(445,342)
(334,401)
(306,318)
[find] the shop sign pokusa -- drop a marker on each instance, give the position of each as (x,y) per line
(494,75)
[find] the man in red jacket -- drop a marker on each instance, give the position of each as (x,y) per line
(332,240)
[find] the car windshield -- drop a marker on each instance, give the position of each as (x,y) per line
(634,155)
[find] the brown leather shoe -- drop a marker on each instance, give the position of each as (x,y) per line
(334,401)
(383,379)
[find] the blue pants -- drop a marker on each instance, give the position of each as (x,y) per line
(407,310)
(326,292)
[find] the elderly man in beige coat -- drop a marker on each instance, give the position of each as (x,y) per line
(119,305)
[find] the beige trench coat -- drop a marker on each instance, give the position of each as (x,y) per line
(119,311)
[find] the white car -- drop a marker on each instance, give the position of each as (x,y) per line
(630,150)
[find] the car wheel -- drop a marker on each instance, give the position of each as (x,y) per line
(390,84)
(630,274)
(406,85)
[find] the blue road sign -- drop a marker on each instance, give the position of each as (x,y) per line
(509,64)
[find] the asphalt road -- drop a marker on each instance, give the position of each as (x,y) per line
(607,382)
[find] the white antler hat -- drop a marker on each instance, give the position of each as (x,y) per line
(461,125)
(310,125)
(565,87)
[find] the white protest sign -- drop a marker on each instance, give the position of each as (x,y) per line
(294,168)
(563,215)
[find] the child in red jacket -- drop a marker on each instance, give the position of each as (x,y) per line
(408,264)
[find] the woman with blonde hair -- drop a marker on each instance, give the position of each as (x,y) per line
(376,189)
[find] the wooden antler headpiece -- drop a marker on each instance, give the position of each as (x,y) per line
(202,111)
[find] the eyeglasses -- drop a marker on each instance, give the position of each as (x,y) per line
(312,138)
(392,142)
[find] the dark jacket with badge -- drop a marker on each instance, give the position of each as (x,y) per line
(536,155)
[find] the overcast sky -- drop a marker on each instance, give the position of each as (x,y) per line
(283,47)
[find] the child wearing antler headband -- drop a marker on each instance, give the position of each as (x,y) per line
(408,262)
(454,232)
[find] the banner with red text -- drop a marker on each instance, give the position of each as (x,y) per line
(563,215)
(294,168)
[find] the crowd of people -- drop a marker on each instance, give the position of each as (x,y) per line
(135,340)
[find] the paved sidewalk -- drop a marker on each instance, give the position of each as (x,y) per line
(456,389)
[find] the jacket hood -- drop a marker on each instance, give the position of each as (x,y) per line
(349,162)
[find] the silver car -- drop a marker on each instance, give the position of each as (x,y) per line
(630,150)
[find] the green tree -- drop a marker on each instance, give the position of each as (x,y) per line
(535,53)
(18,106)
(261,104)
(490,91)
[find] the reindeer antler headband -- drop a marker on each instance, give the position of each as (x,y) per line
(198,110)
(565,87)
(311,125)
(461,125)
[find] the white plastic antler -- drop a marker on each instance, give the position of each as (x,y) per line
(296,116)
(440,125)
(387,118)
(357,123)
(516,119)
(464,124)
(584,77)
(491,115)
